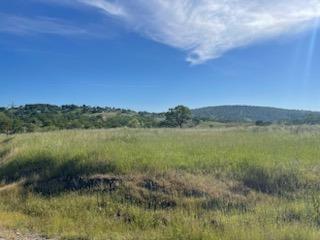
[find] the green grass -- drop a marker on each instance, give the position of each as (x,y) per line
(220,183)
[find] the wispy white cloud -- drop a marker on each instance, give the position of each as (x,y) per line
(27,25)
(108,7)
(206,29)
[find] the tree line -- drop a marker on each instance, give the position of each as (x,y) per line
(45,117)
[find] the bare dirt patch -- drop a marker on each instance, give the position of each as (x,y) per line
(6,234)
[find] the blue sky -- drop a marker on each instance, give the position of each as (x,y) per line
(152,55)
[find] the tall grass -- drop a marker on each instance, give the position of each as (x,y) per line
(221,183)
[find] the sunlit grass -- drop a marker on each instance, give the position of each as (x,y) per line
(225,183)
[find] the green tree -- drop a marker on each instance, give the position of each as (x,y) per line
(5,124)
(17,126)
(134,123)
(178,116)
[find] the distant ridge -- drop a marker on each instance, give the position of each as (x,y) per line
(46,117)
(243,113)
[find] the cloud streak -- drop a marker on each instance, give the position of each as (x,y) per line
(206,29)
(37,25)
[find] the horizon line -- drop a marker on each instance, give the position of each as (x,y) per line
(136,110)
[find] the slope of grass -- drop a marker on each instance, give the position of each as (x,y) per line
(221,183)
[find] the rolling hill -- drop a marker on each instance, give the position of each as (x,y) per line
(46,117)
(238,113)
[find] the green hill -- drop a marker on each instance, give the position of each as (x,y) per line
(46,117)
(239,113)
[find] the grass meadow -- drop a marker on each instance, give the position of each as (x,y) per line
(234,183)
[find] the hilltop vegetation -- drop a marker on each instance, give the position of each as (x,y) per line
(253,114)
(240,183)
(44,117)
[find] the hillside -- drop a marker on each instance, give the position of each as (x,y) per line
(239,113)
(46,117)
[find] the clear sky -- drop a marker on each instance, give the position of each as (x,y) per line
(155,54)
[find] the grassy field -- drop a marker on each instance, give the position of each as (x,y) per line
(234,183)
